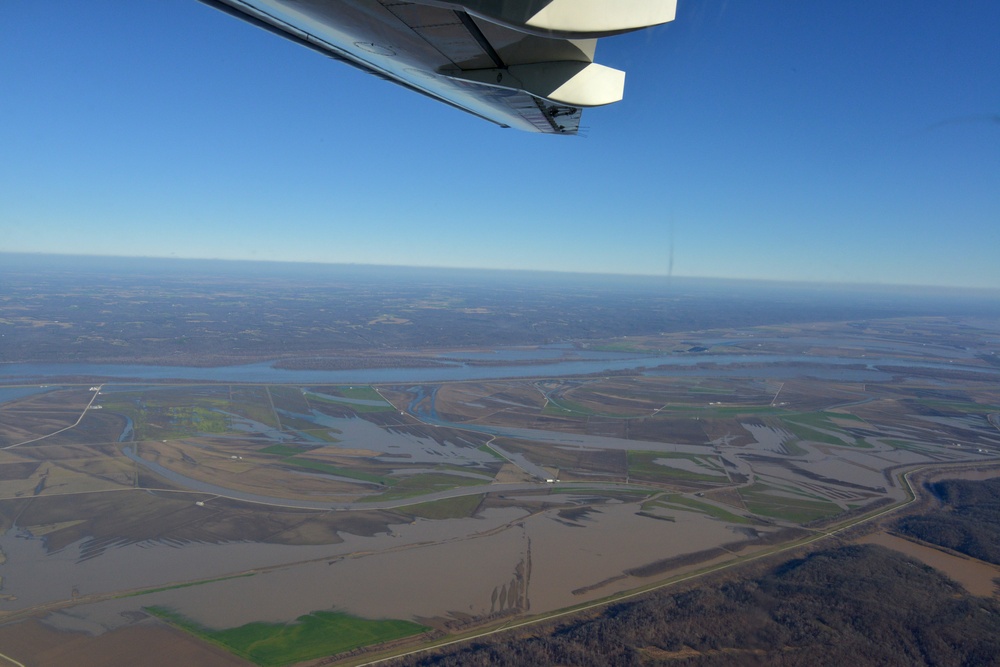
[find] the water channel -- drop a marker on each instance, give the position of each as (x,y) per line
(582,362)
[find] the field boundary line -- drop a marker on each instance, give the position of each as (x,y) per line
(74,425)
(12,660)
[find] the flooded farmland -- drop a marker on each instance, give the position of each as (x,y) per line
(977,577)
(460,501)
(502,561)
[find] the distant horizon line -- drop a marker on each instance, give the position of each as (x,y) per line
(613,274)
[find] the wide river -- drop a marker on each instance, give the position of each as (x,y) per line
(579,362)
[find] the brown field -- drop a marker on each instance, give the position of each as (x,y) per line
(44,469)
(507,497)
(147,642)
(44,414)
(135,516)
(579,464)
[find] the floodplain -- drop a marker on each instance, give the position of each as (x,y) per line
(274,524)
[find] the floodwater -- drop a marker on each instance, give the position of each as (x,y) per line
(128,432)
(438,579)
(975,576)
(767,438)
(503,558)
(689,465)
(423,402)
(495,562)
(566,558)
(580,441)
(247,425)
(342,399)
(36,577)
(522,462)
(356,433)
(854,466)
(8,394)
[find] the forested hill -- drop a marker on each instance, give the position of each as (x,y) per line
(968,521)
(853,605)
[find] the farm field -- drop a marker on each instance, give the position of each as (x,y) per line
(250,516)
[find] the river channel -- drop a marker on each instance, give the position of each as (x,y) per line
(581,362)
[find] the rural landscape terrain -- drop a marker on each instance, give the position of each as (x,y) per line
(304,467)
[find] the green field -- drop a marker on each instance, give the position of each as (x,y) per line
(449,508)
(488,450)
(329,395)
(566,408)
(351,473)
(290,457)
(167,414)
(198,419)
(316,635)
(721,412)
(912,446)
(761,499)
(163,420)
(321,434)
(679,502)
(418,485)
(354,407)
(817,427)
(364,393)
(712,390)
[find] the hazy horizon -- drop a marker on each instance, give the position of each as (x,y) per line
(220,262)
(831,142)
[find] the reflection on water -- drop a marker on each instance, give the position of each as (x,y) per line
(34,576)
(355,433)
(423,569)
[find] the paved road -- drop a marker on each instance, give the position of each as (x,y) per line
(73,425)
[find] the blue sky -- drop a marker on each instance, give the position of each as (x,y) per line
(834,141)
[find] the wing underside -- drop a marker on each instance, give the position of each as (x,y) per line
(516,63)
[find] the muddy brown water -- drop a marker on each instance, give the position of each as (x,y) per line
(974,575)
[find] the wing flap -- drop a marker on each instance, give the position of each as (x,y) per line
(566,83)
(570,18)
(440,50)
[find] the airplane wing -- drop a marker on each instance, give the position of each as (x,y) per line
(527,64)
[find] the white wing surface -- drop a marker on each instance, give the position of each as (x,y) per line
(527,64)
